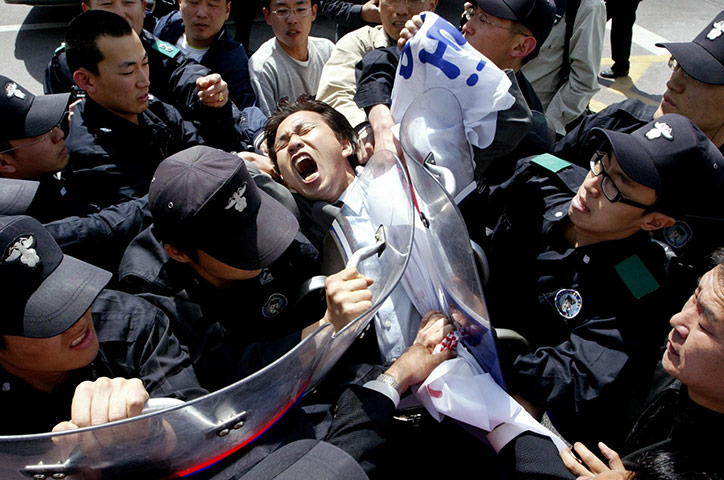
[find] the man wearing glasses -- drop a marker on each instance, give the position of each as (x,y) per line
(287,67)
(574,269)
(696,91)
(32,147)
(507,32)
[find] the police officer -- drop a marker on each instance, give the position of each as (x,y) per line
(33,181)
(223,252)
(62,330)
(177,80)
(573,268)
(119,132)
(695,90)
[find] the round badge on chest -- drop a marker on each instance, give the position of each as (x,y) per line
(276,303)
(568,302)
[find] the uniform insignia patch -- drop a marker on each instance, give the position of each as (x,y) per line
(12,90)
(568,302)
(237,200)
(22,250)
(661,129)
(266,277)
(165,48)
(273,307)
(678,234)
(551,162)
(716,30)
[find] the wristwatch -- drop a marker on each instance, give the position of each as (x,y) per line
(384,378)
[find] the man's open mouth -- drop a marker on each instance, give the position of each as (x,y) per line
(307,168)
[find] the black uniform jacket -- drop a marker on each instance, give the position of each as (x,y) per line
(135,342)
(173,80)
(691,241)
(594,315)
(230,332)
(113,159)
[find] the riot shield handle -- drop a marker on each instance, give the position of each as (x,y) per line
(160,403)
(365,252)
(317,283)
(54,471)
(441,174)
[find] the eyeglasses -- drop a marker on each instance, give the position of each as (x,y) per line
(299,12)
(609,188)
(483,18)
(675,67)
(41,139)
(409,3)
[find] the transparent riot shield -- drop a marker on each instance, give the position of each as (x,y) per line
(442,273)
(173,442)
(373,232)
(432,132)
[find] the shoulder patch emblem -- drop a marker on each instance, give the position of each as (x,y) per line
(274,305)
(165,48)
(23,251)
(678,234)
(237,200)
(636,276)
(12,90)
(661,129)
(716,30)
(568,302)
(551,162)
(266,277)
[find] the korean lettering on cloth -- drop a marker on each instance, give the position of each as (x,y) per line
(439,56)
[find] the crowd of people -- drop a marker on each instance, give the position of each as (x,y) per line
(163,202)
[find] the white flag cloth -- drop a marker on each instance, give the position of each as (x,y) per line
(439,56)
(459,389)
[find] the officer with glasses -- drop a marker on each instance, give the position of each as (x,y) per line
(287,68)
(32,147)
(574,269)
(33,157)
(696,91)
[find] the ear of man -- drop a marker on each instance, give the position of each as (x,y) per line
(7,165)
(656,221)
(176,254)
(522,46)
(85,80)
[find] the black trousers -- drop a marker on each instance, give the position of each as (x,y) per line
(243,12)
(623,15)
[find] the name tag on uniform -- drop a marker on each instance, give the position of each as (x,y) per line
(165,48)
(636,276)
(551,162)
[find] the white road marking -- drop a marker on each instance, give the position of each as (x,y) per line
(645,38)
(32,26)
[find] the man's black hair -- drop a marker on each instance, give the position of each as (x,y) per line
(335,120)
(670,465)
(82,37)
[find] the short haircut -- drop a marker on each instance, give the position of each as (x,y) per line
(533,53)
(335,120)
(82,37)
(717,258)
